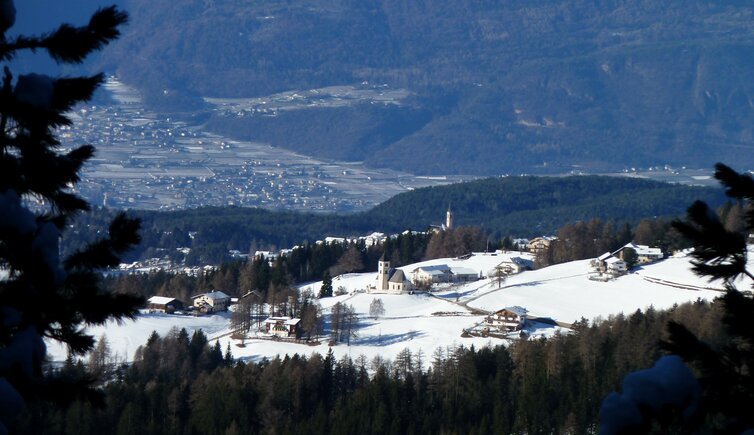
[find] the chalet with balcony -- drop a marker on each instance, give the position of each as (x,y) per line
(284,327)
(507,320)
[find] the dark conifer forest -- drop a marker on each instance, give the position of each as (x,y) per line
(182,384)
(513,206)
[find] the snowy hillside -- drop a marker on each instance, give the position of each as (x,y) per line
(425,322)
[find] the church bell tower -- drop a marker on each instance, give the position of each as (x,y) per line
(383,270)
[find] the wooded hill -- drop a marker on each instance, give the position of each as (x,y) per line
(512,206)
(497,87)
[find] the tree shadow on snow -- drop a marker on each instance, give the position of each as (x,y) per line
(386,339)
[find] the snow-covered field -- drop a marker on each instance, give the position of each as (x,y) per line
(426,322)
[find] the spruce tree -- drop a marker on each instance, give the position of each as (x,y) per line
(40,295)
(325,291)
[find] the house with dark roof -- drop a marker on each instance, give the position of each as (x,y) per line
(164,304)
(508,319)
(281,326)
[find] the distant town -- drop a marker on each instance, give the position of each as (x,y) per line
(148,161)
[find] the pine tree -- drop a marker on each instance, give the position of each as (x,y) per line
(719,400)
(40,295)
(326,290)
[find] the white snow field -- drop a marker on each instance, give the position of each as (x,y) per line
(425,322)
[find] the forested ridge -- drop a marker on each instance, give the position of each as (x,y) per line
(532,386)
(510,206)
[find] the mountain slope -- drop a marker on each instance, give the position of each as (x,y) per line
(497,86)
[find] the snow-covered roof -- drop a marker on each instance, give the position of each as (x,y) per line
(431,272)
(463,271)
(160,300)
(604,256)
(215,295)
(518,261)
(519,311)
(644,250)
(282,319)
(613,260)
(436,269)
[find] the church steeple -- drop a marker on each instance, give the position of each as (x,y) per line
(449,219)
(383,273)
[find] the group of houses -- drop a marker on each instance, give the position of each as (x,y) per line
(204,303)
(395,281)
(614,264)
(216,301)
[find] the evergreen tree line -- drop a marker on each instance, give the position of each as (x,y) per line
(590,239)
(515,206)
(182,384)
(308,262)
(312,262)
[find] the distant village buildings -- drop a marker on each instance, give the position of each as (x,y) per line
(540,244)
(447,225)
(644,253)
(612,265)
(511,266)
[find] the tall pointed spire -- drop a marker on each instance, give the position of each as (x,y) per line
(449,219)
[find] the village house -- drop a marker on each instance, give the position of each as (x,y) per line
(374,239)
(438,273)
(211,302)
(428,275)
(540,244)
(164,304)
(508,319)
(284,327)
(464,274)
(609,265)
(511,266)
(267,255)
(644,253)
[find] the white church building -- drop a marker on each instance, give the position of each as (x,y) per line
(390,280)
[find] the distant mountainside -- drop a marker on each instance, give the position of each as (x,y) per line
(496,86)
(506,86)
(517,206)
